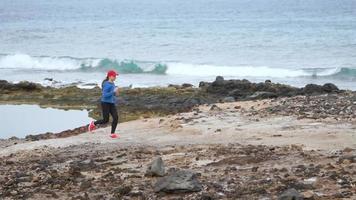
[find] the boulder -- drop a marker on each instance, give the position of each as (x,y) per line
(330,88)
(156,168)
(290,194)
(181,181)
(313,89)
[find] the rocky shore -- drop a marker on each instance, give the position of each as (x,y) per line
(230,171)
(149,102)
(229,139)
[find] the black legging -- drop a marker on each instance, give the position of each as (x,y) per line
(108,108)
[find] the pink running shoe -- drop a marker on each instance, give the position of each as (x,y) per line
(91,126)
(114,135)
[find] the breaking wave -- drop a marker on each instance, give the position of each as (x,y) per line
(66,63)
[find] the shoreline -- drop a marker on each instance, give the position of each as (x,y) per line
(150,102)
(234,152)
(233,138)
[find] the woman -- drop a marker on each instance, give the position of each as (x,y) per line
(108,100)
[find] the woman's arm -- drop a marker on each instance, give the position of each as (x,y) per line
(117,91)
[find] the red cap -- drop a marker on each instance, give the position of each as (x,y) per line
(112,73)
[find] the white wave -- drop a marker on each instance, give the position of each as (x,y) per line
(24,61)
(238,71)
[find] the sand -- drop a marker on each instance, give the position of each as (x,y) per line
(223,125)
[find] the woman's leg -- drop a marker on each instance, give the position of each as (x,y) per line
(115,118)
(105,107)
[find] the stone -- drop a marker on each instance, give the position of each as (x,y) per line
(181,181)
(156,168)
(290,194)
(85,184)
(122,190)
(215,107)
(329,88)
(308,194)
(229,99)
(187,85)
(313,89)
(262,95)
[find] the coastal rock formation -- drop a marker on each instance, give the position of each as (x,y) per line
(335,106)
(231,171)
(136,103)
(24,85)
(245,90)
(180,181)
(156,168)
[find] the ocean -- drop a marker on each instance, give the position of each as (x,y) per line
(160,42)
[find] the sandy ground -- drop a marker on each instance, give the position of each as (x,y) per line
(221,143)
(224,124)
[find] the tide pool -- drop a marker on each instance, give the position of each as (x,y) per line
(22,120)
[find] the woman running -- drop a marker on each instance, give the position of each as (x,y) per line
(108,100)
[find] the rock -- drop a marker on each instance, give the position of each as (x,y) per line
(207,197)
(313,89)
(156,168)
(308,194)
(229,99)
(215,107)
(85,184)
(290,194)
(348,158)
(262,95)
(47,135)
(178,182)
(329,88)
(122,190)
(219,79)
(237,93)
(13,138)
(187,85)
(24,85)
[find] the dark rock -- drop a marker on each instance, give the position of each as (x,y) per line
(237,93)
(263,95)
(178,182)
(156,168)
(25,85)
(47,135)
(290,194)
(313,89)
(85,184)
(330,88)
(122,190)
(215,107)
(13,138)
(187,85)
(207,197)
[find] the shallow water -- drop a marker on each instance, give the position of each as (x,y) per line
(22,120)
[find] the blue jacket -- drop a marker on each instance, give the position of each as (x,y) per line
(108,95)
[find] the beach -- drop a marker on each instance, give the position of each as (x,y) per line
(247,99)
(261,148)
